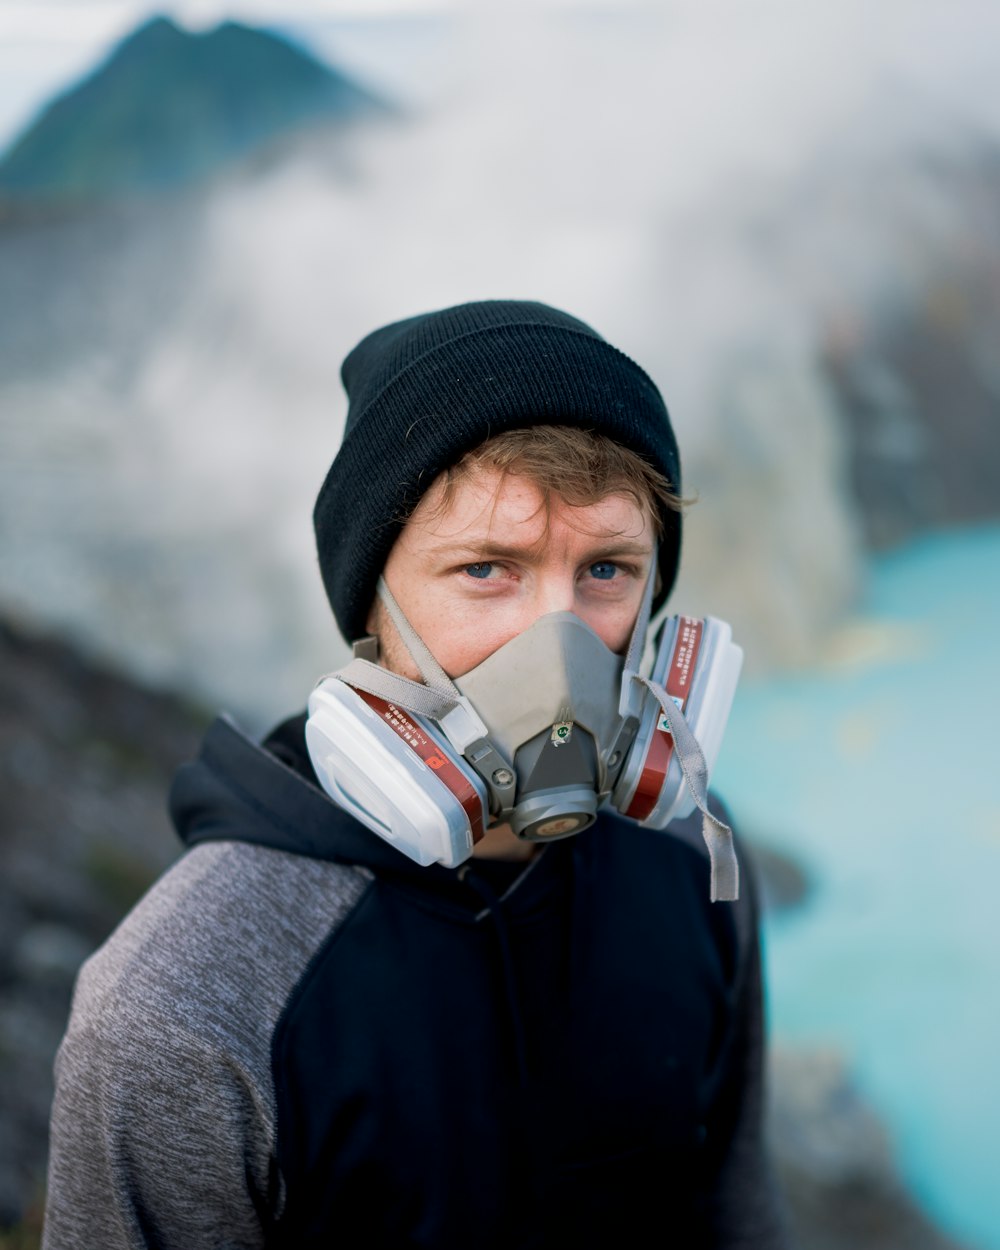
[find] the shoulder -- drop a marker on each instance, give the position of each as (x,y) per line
(674,869)
(213,950)
(681,840)
(164,1120)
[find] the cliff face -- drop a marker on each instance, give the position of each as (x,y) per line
(84,755)
(907,349)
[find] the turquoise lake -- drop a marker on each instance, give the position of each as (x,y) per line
(880,774)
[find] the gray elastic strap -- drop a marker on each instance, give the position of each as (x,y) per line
(431,671)
(412,695)
(439,699)
(633,656)
(718,836)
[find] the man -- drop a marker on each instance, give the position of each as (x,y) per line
(420,1015)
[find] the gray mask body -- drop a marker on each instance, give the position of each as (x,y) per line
(549,699)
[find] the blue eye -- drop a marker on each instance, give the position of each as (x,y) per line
(603,570)
(482,569)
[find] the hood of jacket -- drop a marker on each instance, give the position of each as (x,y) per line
(267,793)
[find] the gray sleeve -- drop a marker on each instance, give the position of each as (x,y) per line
(748,1209)
(163,1125)
(156,1141)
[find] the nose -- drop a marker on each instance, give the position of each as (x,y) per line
(554,592)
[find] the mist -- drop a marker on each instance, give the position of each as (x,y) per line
(725,193)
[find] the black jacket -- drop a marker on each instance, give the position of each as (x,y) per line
(567,1053)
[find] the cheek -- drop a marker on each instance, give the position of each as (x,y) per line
(614,625)
(393,653)
(458,635)
(467,641)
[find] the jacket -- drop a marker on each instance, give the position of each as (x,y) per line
(300,1038)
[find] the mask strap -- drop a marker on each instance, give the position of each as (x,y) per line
(435,699)
(439,699)
(633,656)
(413,695)
(630,701)
(718,835)
(436,696)
(431,671)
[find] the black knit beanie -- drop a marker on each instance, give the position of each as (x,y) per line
(424,391)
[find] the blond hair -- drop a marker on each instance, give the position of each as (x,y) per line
(579,466)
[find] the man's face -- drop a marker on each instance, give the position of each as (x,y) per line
(472,576)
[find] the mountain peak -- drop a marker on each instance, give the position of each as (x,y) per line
(158,26)
(169,106)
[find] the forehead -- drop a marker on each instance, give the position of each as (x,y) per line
(486,504)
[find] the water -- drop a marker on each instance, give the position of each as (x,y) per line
(880,772)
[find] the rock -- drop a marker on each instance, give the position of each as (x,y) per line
(820,1125)
(834,1163)
(783,881)
(49,952)
(85,759)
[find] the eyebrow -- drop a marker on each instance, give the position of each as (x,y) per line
(491,550)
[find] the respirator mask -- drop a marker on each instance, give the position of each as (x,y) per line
(542,734)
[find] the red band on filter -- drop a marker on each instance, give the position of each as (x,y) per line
(661,745)
(432,755)
(654,772)
(686,647)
